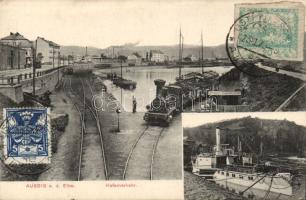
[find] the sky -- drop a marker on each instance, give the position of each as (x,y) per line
(197,119)
(105,23)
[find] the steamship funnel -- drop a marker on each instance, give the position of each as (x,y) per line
(218,145)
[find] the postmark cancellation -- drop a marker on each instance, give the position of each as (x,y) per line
(270,30)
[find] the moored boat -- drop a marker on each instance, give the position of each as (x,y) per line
(206,164)
(124,83)
(241,171)
(278,183)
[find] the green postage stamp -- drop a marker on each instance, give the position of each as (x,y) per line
(270,30)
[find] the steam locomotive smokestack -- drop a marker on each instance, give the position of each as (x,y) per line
(159,85)
(218,145)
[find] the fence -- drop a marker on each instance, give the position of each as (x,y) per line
(17,79)
(233,108)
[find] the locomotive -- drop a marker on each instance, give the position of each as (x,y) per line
(165,105)
(173,98)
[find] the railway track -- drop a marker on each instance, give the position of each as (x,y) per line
(140,161)
(92,162)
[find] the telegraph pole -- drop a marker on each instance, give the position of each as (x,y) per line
(120,87)
(202,52)
(18,46)
(53,56)
(180,53)
(34,66)
(59,62)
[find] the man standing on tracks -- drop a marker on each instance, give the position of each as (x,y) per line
(134,104)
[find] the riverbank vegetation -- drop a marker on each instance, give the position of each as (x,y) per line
(277,136)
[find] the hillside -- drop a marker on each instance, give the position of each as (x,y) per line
(278,136)
(77,50)
(171,51)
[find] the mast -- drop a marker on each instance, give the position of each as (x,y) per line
(180,54)
(202,52)
(182,48)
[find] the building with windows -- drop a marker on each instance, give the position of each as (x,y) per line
(192,58)
(134,59)
(158,56)
(12,57)
(49,50)
(19,41)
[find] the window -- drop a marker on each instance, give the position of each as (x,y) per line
(233,175)
(227,174)
(222,173)
(240,176)
(250,178)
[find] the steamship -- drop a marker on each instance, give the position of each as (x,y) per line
(206,164)
(224,167)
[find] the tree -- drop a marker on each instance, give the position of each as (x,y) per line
(122,58)
(103,56)
(70,57)
(187,59)
(38,61)
(39,57)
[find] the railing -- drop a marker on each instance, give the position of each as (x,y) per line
(233,108)
(17,79)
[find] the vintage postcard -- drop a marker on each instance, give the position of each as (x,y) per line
(244,155)
(93,93)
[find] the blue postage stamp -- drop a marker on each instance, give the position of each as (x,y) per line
(27,136)
(270,30)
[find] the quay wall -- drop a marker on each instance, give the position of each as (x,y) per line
(14,92)
(43,83)
(15,86)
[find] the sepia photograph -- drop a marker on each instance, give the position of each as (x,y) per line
(245,155)
(94,97)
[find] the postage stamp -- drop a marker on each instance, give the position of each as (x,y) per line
(270,30)
(27,136)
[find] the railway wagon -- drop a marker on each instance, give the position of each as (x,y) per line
(170,100)
(176,97)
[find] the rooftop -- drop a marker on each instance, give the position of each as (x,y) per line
(136,54)
(15,36)
(50,42)
(157,51)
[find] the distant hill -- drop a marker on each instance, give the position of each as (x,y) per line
(278,136)
(171,51)
(78,50)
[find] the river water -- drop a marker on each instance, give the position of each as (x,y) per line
(144,76)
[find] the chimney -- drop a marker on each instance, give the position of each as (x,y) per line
(218,145)
(159,85)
